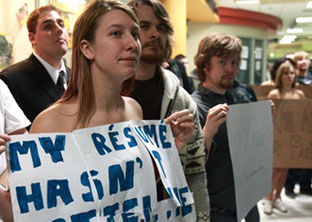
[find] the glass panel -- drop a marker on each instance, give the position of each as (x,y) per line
(243,76)
(258,61)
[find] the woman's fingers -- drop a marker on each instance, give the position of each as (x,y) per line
(4,139)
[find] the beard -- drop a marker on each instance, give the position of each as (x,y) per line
(226,84)
(153,55)
(152,58)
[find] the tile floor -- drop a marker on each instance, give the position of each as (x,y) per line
(299,210)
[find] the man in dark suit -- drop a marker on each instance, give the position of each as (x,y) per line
(36,82)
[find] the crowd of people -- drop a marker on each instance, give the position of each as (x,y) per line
(119,53)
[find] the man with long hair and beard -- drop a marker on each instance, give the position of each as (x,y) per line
(159,93)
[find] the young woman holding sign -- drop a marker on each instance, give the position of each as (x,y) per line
(105,53)
(285,83)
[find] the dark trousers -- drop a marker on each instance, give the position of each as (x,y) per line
(253,215)
(227,216)
(301,176)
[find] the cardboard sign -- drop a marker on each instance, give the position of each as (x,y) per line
(306,89)
(250,134)
(97,174)
(262,91)
(292,133)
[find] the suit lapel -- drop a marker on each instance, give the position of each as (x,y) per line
(68,73)
(43,79)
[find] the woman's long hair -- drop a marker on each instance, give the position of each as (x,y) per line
(284,67)
(80,85)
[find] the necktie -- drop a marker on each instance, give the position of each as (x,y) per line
(61,80)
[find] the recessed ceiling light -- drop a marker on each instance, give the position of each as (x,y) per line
(295,30)
(303,19)
(287,39)
(245,2)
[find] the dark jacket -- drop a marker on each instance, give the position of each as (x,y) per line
(178,69)
(31,86)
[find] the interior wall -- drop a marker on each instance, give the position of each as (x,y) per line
(22,47)
(10,25)
(197,31)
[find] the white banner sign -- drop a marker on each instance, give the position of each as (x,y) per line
(250,133)
(98,174)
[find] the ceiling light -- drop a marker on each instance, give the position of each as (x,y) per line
(245,2)
(287,39)
(303,19)
(309,4)
(295,30)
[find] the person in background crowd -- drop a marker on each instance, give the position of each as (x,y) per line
(159,93)
(303,176)
(241,93)
(178,69)
(40,80)
(182,59)
(12,121)
(273,70)
(303,62)
(217,61)
(285,83)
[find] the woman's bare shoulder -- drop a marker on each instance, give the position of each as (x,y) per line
(57,118)
(300,93)
(133,108)
(274,94)
(268,83)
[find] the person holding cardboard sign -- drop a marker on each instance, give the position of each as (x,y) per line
(217,62)
(285,83)
(106,50)
(301,176)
